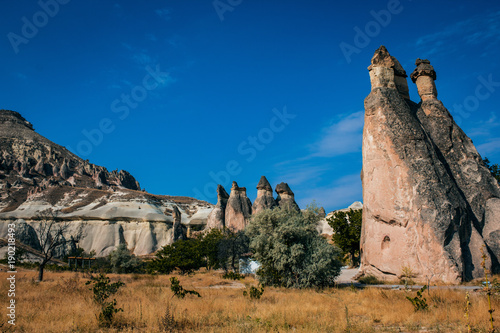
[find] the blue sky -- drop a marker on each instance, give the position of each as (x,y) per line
(187,94)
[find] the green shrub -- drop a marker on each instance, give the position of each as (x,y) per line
(185,255)
(178,290)
(419,302)
(103,289)
(369,279)
(254,293)
(122,261)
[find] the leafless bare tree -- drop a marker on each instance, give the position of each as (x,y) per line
(52,233)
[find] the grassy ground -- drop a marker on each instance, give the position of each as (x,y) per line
(63,303)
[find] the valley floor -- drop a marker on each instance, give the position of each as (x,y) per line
(63,303)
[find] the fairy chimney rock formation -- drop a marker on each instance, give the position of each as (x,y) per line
(178,232)
(418,211)
(265,199)
(238,209)
(386,71)
(424,76)
(286,198)
(217,217)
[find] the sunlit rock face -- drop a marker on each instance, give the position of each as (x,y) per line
(238,209)
(265,199)
(429,202)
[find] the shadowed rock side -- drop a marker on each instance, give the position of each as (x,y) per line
(217,217)
(415,214)
(286,198)
(480,189)
(265,199)
(178,231)
(238,209)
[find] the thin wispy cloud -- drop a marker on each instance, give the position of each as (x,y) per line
(489,147)
(342,137)
(339,194)
(164,13)
(299,174)
(478,30)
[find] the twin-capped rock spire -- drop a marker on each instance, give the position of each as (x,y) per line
(429,202)
(235,210)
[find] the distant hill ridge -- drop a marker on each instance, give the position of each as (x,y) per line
(36,174)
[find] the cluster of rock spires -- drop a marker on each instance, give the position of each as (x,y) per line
(235,210)
(430,203)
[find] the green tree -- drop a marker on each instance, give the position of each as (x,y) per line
(122,261)
(231,247)
(347,232)
(494,169)
(210,247)
(291,251)
(185,255)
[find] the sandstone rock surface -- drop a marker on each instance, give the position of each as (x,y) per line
(423,184)
(265,199)
(238,209)
(217,217)
(286,198)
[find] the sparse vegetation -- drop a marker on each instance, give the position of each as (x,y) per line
(179,291)
(66,306)
(254,292)
(419,302)
(369,279)
(103,289)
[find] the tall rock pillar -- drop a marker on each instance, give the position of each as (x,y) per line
(414,215)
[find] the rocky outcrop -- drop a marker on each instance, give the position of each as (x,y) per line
(286,198)
(178,231)
(217,217)
(418,211)
(238,209)
(265,199)
(26,154)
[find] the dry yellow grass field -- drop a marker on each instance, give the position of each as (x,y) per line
(63,303)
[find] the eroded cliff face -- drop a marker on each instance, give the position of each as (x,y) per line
(418,191)
(37,174)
